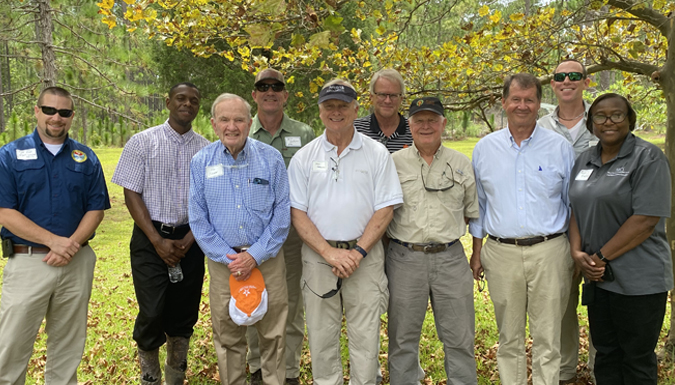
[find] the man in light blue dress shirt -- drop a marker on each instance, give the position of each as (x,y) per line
(522,179)
(240,216)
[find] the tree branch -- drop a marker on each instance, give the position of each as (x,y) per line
(108,109)
(645,13)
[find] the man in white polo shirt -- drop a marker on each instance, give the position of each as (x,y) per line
(344,188)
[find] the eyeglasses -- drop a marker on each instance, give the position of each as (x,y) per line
(382,97)
(574,76)
(276,87)
(335,169)
(64,113)
(443,176)
(330,293)
(615,118)
(481,282)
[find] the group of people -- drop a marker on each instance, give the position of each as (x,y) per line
(362,220)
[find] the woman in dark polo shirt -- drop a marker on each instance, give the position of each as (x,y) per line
(620,197)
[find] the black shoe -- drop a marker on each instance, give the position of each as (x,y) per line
(293,381)
(256,377)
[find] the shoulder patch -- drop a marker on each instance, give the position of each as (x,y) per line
(78,156)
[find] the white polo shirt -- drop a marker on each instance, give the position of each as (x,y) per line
(340,194)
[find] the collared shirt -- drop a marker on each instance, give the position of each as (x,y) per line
(239,202)
(604,196)
(400,139)
(156,164)
(522,190)
(53,191)
(289,138)
(340,194)
(433,216)
(583,141)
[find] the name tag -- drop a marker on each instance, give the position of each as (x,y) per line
(319,165)
(293,141)
(584,175)
(214,171)
(592,143)
(29,154)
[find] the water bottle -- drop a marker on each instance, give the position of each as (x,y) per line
(175,273)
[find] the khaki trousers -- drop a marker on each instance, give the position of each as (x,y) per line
(364,297)
(528,281)
(295,323)
(33,291)
(230,338)
(569,339)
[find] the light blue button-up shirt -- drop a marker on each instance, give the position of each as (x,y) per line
(239,202)
(522,190)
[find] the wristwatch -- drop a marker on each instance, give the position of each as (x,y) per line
(602,257)
(361,250)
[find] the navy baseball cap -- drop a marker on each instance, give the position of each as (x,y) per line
(339,92)
(427,103)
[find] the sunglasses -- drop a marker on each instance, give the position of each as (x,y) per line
(51,111)
(574,76)
(330,293)
(276,87)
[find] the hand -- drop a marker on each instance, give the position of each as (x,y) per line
(476,266)
(169,250)
(344,261)
(186,243)
(241,266)
(55,260)
(63,247)
(589,267)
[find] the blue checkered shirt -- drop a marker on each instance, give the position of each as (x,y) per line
(242,202)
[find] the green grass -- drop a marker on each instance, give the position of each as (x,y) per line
(110,355)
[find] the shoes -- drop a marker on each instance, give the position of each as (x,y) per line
(256,377)
(151,373)
(293,381)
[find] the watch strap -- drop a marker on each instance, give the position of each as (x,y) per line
(361,250)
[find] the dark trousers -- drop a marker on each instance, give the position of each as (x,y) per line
(625,330)
(164,307)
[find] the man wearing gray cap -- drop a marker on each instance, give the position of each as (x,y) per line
(425,258)
(343,192)
(272,126)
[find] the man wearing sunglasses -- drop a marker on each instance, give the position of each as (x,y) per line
(386,125)
(343,192)
(154,171)
(425,258)
(522,179)
(569,120)
(272,126)
(52,198)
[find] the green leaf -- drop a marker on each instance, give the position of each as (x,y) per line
(260,35)
(320,40)
(297,40)
(333,23)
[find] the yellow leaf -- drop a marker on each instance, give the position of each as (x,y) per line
(110,20)
(106,4)
(496,17)
(299,94)
(484,10)
(129,1)
(516,16)
(290,80)
(381,30)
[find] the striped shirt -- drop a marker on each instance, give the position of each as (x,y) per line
(156,164)
(400,139)
(239,202)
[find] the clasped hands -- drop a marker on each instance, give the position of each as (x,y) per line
(591,266)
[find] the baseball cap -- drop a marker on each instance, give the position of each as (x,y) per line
(337,91)
(427,103)
(269,74)
(248,301)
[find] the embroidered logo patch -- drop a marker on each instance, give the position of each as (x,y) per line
(78,156)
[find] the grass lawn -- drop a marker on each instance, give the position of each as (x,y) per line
(110,355)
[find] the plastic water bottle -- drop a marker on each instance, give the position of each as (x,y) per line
(175,273)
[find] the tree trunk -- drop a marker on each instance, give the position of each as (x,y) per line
(2,102)
(8,81)
(44,36)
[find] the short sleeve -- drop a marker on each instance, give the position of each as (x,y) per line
(130,170)
(650,184)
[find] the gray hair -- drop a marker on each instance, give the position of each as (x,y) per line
(223,97)
(341,82)
(389,74)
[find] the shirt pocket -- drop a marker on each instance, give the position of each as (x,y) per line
(453,198)
(260,195)
(28,177)
(550,182)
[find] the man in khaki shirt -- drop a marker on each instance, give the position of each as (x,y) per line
(425,258)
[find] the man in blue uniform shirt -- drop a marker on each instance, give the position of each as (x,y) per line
(52,198)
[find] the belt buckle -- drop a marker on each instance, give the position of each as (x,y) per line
(161,228)
(515,242)
(432,248)
(342,245)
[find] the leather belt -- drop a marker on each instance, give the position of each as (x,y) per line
(163,228)
(348,245)
(525,241)
(427,248)
(26,249)
(240,249)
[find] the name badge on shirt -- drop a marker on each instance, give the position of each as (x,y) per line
(293,141)
(319,165)
(584,175)
(214,171)
(592,143)
(29,154)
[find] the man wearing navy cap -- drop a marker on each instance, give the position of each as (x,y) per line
(343,192)
(425,258)
(52,199)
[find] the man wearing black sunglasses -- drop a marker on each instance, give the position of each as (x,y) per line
(52,198)
(569,120)
(271,125)
(425,259)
